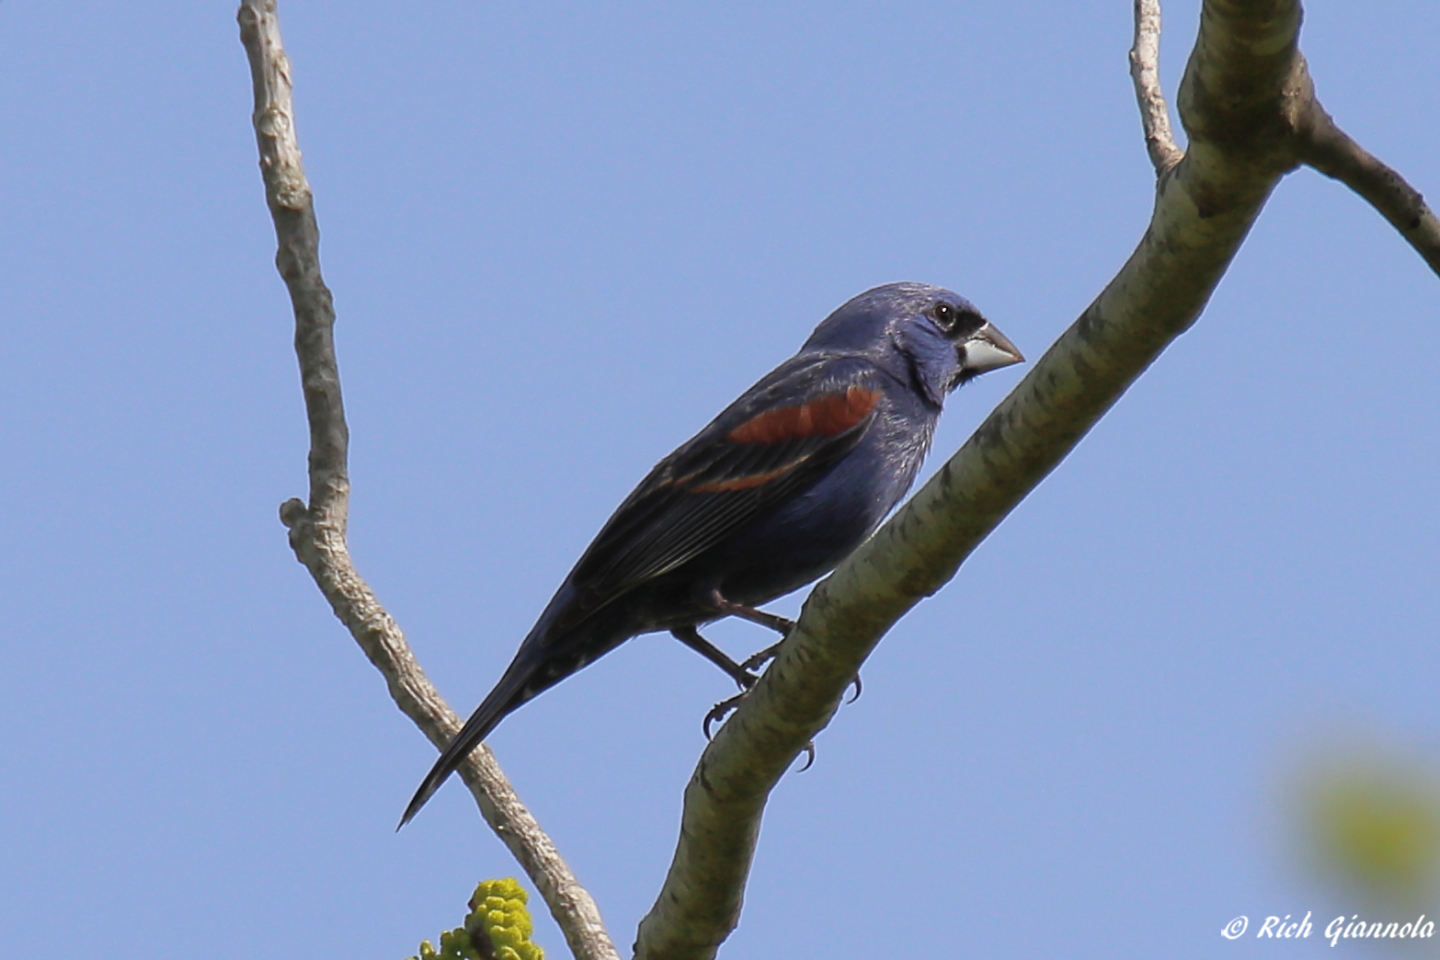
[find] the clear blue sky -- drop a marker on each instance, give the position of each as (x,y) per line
(560,238)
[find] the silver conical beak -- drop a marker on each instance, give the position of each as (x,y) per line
(989,349)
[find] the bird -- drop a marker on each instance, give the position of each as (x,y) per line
(773,493)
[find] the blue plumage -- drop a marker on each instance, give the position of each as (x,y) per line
(773,493)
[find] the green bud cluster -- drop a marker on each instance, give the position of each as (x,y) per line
(497,913)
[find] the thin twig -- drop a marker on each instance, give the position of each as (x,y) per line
(1145,72)
(1331,151)
(317,532)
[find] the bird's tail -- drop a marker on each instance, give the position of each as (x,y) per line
(514,688)
(548,655)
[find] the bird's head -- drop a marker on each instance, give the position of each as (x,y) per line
(931,335)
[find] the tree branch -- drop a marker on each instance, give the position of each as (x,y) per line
(1145,72)
(1247,103)
(1330,150)
(317,532)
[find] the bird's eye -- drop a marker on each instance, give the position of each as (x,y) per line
(945,316)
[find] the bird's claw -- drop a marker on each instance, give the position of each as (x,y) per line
(724,707)
(720,710)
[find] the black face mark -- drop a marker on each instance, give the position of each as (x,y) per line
(955,322)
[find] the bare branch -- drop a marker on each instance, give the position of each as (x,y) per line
(1331,151)
(1244,101)
(317,532)
(1145,72)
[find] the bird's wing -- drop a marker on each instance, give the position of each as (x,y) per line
(780,437)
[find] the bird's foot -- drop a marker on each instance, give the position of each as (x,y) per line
(744,678)
(760,659)
(781,625)
(725,707)
(721,710)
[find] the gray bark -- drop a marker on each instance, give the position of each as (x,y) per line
(317,529)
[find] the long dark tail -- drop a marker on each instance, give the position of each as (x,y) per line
(508,694)
(538,666)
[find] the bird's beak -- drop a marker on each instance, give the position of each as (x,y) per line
(989,349)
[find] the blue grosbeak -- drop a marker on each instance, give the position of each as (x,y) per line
(777,490)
